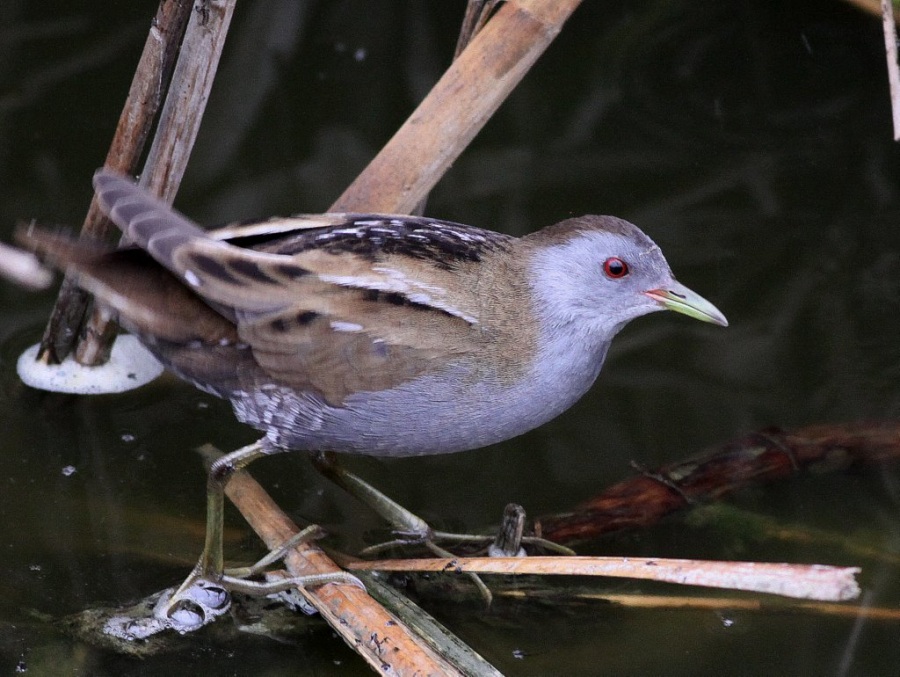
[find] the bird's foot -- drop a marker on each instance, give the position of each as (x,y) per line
(197,602)
(275,583)
(507,543)
(412,530)
(204,597)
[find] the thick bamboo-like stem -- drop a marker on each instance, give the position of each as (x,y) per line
(138,115)
(458,106)
(176,133)
(386,644)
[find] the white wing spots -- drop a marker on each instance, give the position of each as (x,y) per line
(455,312)
(395,281)
(420,292)
(424,299)
(461,235)
(191,278)
(335,232)
(354,281)
(397,276)
(364,228)
(339,325)
(405,283)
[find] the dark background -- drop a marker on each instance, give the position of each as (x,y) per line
(751,140)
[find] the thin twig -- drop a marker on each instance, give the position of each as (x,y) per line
(477,14)
(723,604)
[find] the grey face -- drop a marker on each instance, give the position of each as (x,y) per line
(607,274)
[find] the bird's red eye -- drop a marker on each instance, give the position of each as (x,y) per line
(615,268)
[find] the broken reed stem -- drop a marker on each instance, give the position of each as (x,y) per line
(893,69)
(23,268)
(725,604)
(135,122)
(457,107)
(179,124)
(385,643)
(802,581)
(764,456)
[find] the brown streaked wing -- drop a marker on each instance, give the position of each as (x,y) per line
(427,261)
(351,340)
(254,281)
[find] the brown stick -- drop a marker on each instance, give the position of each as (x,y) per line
(144,99)
(386,644)
(766,456)
(458,106)
(179,123)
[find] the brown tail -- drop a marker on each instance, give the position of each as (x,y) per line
(151,302)
(59,248)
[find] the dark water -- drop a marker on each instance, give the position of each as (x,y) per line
(751,140)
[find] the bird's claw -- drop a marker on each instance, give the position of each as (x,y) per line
(196,603)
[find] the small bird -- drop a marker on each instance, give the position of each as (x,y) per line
(374,334)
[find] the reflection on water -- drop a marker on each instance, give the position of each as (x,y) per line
(752,141)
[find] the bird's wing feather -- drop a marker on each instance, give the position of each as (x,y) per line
(425,261)
(356,306)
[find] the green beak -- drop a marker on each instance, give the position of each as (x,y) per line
(679,298)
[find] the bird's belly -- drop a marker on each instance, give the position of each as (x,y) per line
(434,414)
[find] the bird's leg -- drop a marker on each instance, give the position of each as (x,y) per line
(236,579)
(411,528)
(202,596)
